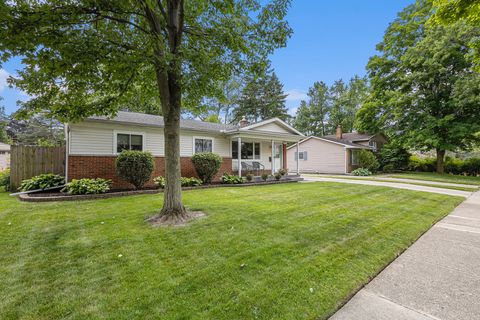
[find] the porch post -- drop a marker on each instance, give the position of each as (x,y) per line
(239,152)
(273,157)
(284,147)
(298,158)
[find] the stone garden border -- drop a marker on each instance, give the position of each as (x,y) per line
(47,198)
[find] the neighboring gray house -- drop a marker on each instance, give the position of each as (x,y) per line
(92,145)
(4,156)
(335,154)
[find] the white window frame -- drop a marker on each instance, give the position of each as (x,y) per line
(373,144)
(117,132)
(253,142)
(351,157)
(300,153)
(203,138)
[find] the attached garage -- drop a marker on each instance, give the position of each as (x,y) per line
(322,155)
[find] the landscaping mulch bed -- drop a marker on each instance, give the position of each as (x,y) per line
(60,196)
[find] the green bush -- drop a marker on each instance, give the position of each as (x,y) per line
(416,163)
(159,182)
(42,181)
(135,167)
(393,156)
(471,166)
(190,182)
(265,176)
(207,165)
(283,172)
(361,172)
(454,165)
(87,186)
(249,177)
(367,160)
(5,179)
(278,176)
(389,168)
(231,179)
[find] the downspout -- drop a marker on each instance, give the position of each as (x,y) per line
(67,149)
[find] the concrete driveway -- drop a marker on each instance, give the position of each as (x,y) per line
(399,185)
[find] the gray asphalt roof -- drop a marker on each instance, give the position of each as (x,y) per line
(345,142)
(352,137)
(157,121)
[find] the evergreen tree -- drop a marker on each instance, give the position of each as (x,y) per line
(337,114)
(274,99)
(262,98)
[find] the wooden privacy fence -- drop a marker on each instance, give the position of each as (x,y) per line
(29,161)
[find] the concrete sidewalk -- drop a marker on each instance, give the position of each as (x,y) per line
(450,192)
(438,277)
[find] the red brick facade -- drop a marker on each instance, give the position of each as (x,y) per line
(104,167)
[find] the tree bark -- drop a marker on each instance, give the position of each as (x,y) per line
(169,86)
(440,160)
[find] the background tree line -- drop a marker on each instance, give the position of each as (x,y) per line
(329,107)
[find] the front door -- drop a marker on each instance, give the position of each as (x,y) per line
(278,157)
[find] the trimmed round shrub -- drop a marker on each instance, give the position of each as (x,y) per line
(42,181)
(278,176)
(135,167)
(265,176)
(5,179)
(207,165)
(367,160)
(87,186)
(361,172)
(249,177)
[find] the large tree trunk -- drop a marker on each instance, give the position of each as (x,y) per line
(440,160)
(169,87)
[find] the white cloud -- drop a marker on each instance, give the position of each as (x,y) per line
(3,79)
(292,111)
(296,95)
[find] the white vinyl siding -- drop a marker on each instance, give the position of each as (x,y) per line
(96,138)
(272,127)
(323,157)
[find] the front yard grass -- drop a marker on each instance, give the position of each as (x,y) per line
(305,249)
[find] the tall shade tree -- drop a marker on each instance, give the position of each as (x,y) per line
(311,117)
(86,57)
(451,11)
(423,90)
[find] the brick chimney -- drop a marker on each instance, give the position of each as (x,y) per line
(244,122)
(339,133)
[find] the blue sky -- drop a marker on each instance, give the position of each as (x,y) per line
(331,40)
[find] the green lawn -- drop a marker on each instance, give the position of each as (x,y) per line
(431,176)
(306,248)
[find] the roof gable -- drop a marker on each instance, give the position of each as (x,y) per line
(274,125)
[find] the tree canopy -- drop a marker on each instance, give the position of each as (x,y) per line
(329,107)
(87,58)
(423,88)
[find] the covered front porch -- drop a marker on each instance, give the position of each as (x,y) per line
(258,156)
(262,147)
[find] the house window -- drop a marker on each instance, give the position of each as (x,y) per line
(203,145)
(250,150)
(354,157)
(127,141)
(373,144)
(301,156)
